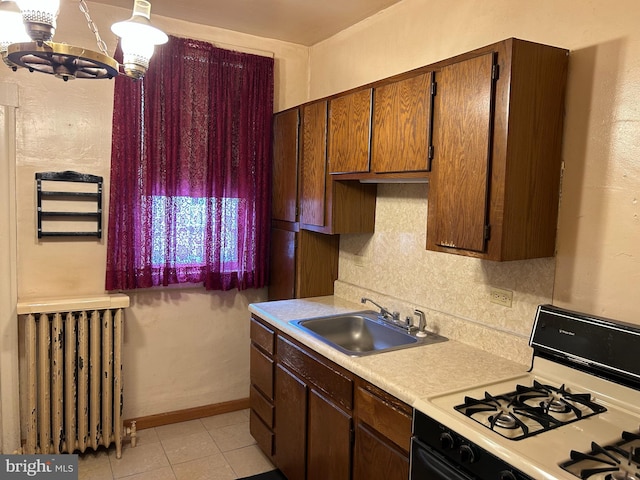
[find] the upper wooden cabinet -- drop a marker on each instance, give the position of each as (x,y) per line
(327,205)
(284,205)
(485,129)
(350,132)
(382,132)
(313,174)
(497,125)
(401,136)
(460,181)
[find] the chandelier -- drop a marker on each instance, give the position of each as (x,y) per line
(26,41)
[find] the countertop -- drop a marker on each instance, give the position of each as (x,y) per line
(413,374)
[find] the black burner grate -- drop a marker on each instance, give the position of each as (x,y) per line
(529,410)
(617,461)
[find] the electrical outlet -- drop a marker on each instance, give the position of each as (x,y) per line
(501,297)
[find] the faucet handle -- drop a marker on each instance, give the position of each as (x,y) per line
(409,326)
(422,323)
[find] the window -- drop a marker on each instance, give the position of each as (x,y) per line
(191,170)
(190,230)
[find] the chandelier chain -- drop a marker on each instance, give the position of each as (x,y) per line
(92,26)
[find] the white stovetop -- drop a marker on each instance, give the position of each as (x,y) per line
(540,455)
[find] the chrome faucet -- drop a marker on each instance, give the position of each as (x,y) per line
(393,318)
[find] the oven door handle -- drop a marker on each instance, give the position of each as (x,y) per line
(425,460)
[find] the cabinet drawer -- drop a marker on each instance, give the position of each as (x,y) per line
(387,415)
(320,373)
(261,368)
(261,406)
(262,336)
(262,434)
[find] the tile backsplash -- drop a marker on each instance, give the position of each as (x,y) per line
(392,266)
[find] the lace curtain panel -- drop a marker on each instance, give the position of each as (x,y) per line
(191,170)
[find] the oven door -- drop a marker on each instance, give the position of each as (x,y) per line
(427,464)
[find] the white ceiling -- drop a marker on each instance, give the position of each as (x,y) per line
(305,22)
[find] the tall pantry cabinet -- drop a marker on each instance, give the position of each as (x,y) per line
(303,263)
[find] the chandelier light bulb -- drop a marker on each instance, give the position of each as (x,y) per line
(11,27)
(136,54)
(138,37)
(139,25)
(40,17)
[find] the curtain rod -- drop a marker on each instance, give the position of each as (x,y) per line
(237,48)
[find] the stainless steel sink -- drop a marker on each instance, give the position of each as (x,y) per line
(362,333)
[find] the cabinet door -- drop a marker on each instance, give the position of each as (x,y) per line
(285,166)
(458,196)
(317,264)
(401,126)
(376,459)
(303,264)
(329,206)
(329,442)
(282,264)
(313,169)
(291,424)
(350,132)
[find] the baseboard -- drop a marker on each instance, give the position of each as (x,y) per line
(178,416)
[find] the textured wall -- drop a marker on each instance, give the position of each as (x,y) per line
(183,347)
(393,266)
(597,268)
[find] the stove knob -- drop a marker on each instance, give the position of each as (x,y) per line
(507,475)
(447,441)
(467,454)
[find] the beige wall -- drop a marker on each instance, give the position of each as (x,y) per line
(9,388)
(183,347)
(597,268)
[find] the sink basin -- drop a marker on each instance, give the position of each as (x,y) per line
(362,333)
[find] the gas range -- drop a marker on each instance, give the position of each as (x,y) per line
(575,414)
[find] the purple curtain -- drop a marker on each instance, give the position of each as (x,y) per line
(191,170)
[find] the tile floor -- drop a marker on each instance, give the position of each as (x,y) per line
(211,448)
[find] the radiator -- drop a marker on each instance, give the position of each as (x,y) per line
(72,381)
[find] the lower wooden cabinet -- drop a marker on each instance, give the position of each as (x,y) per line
(382,436)
(328,439)
(261,392)
(303,263)
(262,433)
(376,459)
(313,402)
(291,423)
(327,422)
